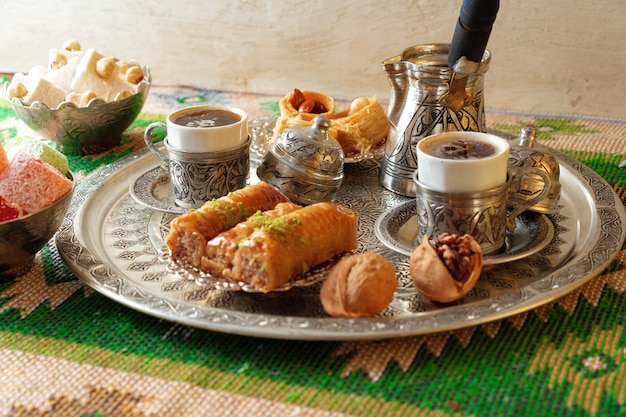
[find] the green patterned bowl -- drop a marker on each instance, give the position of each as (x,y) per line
(84,130)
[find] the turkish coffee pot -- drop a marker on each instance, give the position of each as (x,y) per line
(436,88)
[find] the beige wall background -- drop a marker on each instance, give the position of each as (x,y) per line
(563,56)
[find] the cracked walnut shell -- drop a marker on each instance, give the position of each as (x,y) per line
(447,269)
(360,285)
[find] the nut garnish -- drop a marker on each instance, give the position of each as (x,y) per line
(58,61)
(446,269)
(306,105)
(105,67)
(72,45)
(297,98)
(16,90)
(134,74)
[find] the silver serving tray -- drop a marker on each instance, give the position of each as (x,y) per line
(113,243)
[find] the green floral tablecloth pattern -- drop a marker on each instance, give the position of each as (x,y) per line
(66,350)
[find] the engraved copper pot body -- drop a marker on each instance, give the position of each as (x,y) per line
(420,105)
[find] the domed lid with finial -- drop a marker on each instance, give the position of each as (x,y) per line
(305,163)
(311,149)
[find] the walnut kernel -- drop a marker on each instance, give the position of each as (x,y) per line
(448,268)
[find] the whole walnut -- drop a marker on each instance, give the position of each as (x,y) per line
(360,285)
(448,268)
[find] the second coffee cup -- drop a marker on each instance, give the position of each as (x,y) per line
(463,185)
(207,152)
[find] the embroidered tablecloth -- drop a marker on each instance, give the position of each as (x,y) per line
(67,350)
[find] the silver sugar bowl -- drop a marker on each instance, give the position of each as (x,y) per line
(526,154)
(304,163)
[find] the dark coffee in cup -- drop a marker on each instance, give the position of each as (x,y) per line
(207,118)
(460,149)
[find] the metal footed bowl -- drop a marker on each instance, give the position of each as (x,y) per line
(22,238)
(84,130)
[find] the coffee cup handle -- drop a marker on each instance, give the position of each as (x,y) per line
(516,178)
(147,137)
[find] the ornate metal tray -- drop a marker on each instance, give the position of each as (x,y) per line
(113,243)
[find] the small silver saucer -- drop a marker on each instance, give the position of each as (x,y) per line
(533,233)
(153,189)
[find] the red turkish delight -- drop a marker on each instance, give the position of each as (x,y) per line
(32,184)
(8,211)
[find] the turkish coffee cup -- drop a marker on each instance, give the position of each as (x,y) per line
(207,128)
(463,186)
(208,152)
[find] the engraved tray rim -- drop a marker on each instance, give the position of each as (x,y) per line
(603,243)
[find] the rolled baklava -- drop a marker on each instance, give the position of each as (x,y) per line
(272,248)
(190,232)
(220,251)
